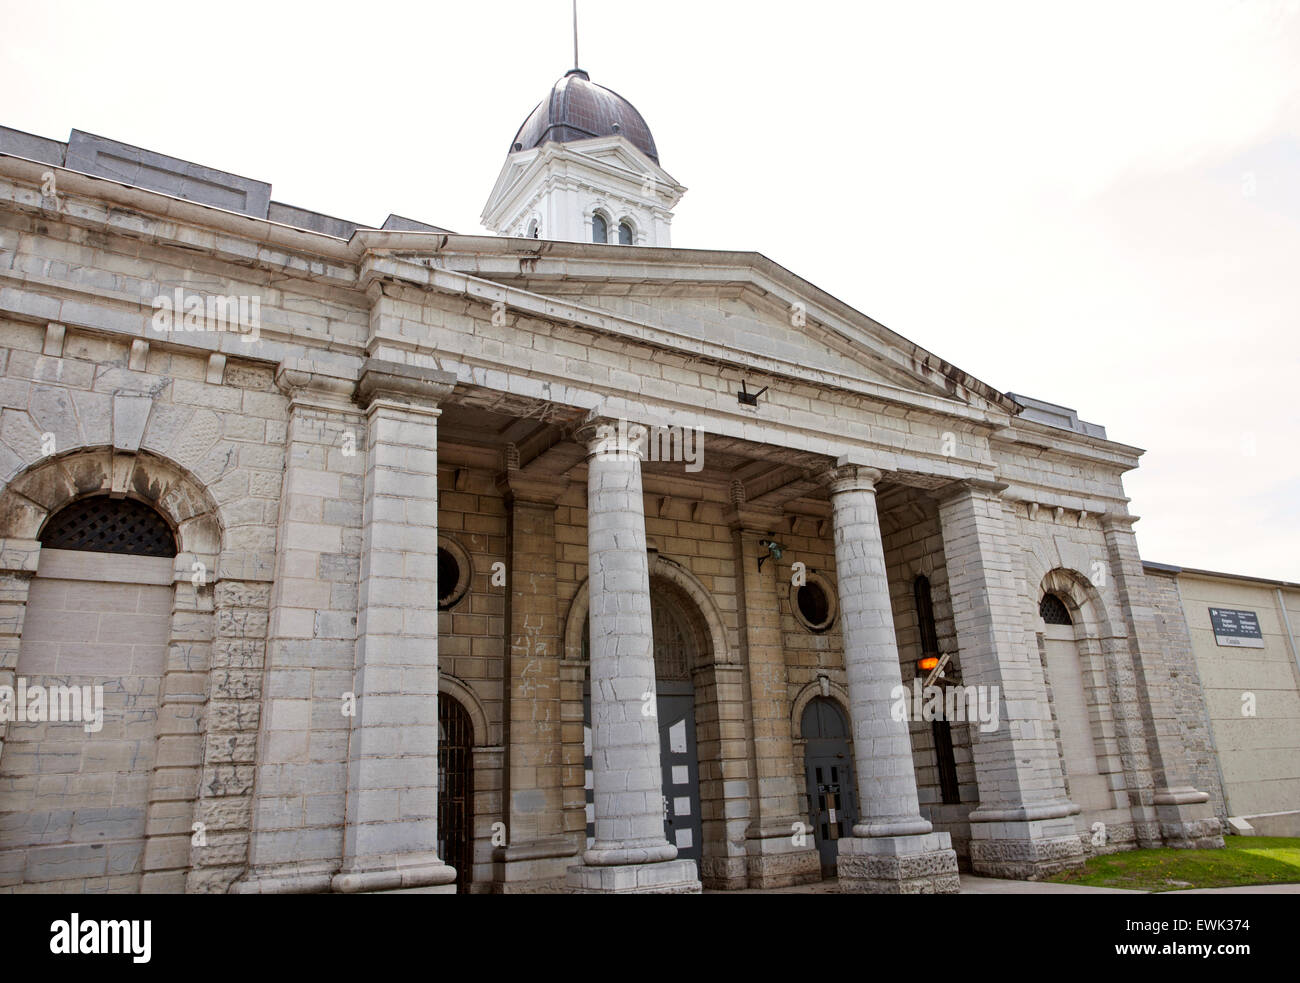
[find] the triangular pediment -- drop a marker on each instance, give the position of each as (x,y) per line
(731,309)
(625,158)
(728,308)
(759,332)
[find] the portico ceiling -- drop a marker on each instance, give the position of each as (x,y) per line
(478,428)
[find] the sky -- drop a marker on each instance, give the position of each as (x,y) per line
(1097,204)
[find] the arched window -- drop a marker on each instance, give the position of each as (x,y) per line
(534,230)
(101,524)
(624,234)
(1053,610)
(456,789)
(945,759)
(599,228)
(925,615)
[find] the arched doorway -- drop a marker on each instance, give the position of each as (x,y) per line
(676,654)
(1065,677)
(456,789)
(89,685)
(829,768)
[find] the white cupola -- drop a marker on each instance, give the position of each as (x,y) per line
(584,168)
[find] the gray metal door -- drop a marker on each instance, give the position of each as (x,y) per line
(681,768)
(832,798)
(675,707)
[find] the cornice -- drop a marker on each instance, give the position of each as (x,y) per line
(147,215)
(1065,444)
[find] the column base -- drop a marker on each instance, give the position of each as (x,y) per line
(725,873)
(923,863)
(1187,820)
(537,867)
(1025,850)
(408,873)
(774,861)
(666,877)
(302,878)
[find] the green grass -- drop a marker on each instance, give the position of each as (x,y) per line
(1244,860)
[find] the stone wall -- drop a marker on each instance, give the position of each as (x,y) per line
(1193,716)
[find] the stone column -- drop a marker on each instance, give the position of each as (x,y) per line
(538,851)
(773,858)
(1023,826)
(631,853)
(299,800)
(392,806)
(893,850)
(1185,814)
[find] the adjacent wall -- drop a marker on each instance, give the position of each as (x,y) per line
(1259,753)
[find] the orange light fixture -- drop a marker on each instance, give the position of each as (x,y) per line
(928,663)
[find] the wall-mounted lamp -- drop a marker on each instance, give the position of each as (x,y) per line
(747,398)
(774,550)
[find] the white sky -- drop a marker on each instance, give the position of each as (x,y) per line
(1095,204)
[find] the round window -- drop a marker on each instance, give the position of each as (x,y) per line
(453,574)
(814,605)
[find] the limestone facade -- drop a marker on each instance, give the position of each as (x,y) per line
(438,461)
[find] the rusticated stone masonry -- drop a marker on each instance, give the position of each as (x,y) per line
(1023,826)
(230,749)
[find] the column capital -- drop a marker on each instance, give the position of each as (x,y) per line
(19,556)
(538,489)
(750,518)
(850,477)
(417,387)
(613,438)
(307,383)
(970,486)
(1117,520)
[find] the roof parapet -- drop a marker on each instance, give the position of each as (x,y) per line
(1055,415)
(151,171)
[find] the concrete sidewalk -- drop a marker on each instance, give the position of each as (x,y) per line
(971,884)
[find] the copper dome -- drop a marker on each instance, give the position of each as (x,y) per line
(579,109)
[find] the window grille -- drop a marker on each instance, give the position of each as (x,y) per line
(1054,611)
(101,524)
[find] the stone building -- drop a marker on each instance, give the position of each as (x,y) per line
(559,559)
